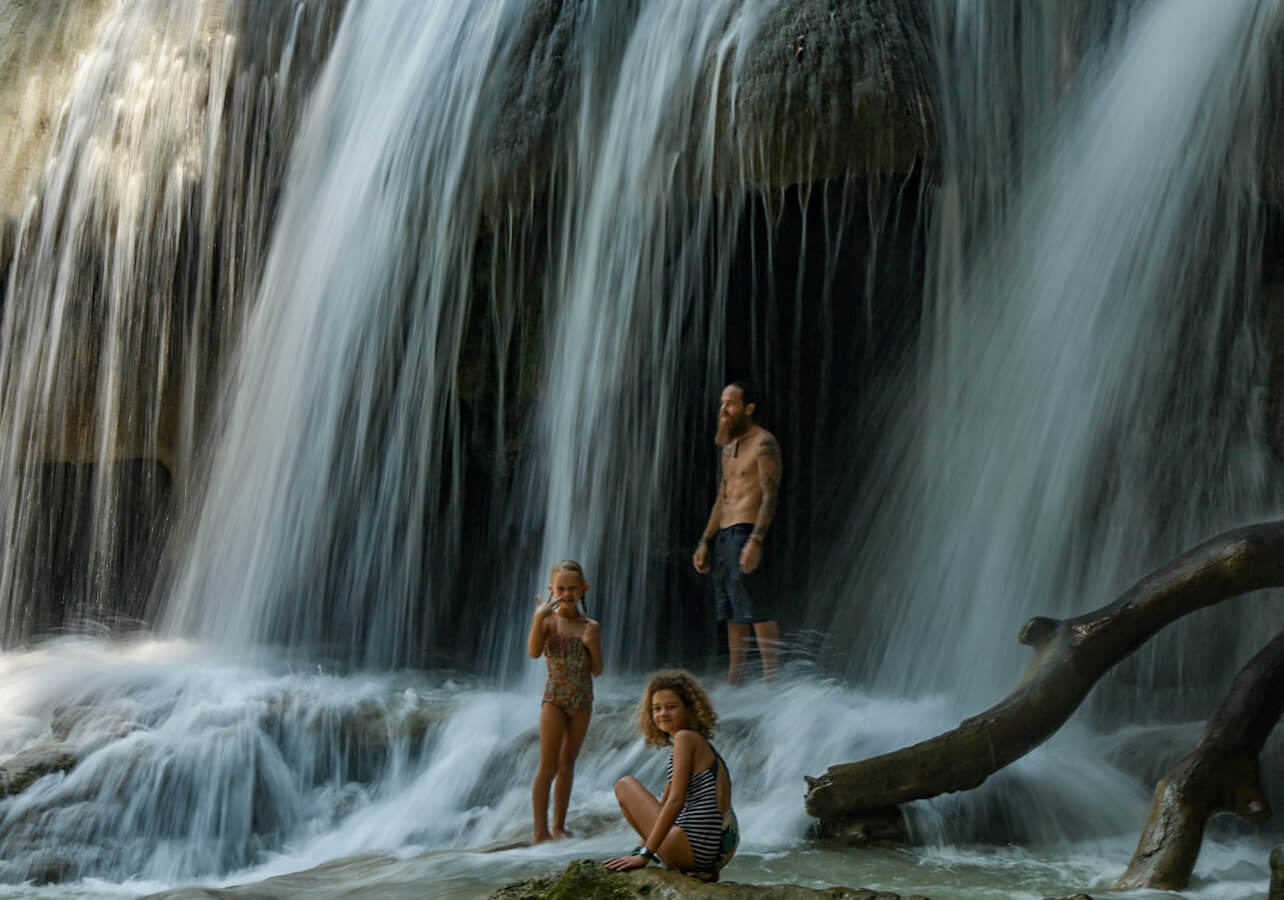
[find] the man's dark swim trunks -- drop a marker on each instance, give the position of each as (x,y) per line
(739,597)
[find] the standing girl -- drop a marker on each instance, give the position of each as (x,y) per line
(572,645)
(691,827)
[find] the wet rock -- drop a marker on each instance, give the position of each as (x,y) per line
(20,771)
(49,868)
(884,826)
(585,879)
(1277,873)
(89,727)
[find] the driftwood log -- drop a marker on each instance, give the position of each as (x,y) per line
(1222,774)
(1069,657)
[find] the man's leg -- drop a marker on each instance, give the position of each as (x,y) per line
(737,643)
(768,636)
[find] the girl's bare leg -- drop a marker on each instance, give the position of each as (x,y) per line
(576,728)
(552,728)
(641,809)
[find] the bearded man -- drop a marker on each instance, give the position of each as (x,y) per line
(737,529)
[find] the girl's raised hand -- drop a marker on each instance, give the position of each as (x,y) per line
(545,607)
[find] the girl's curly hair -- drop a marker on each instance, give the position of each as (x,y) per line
(700,715)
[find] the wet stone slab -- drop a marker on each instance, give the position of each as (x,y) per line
(587,880)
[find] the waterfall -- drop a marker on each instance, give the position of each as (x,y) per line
(1087,401)
(637,334)
(376,310)
(332,513)
(137,240)
(335,509)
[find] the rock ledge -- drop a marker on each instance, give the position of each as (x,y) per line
(585,879)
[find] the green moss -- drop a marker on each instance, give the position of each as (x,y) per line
(588,880)
(583,879)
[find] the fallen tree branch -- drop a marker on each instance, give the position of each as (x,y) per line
(1069,657)
(1222,774)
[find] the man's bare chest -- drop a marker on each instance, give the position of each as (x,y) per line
(739,465)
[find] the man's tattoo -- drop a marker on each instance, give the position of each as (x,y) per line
(769,479)
(769,464)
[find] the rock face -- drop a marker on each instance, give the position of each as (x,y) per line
(585,879)
(1277,873)
(885,826)
(20,771)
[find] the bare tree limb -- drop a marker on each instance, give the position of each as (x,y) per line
(1222,774)
(1069,657)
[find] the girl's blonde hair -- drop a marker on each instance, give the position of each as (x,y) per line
(568,565)
(700,715)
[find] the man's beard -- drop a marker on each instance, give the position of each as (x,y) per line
(728,430)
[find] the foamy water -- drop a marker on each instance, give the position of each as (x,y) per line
(196,768)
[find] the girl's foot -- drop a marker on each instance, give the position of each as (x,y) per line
(561,834)
(540,837)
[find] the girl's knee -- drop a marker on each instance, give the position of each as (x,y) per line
(626,785)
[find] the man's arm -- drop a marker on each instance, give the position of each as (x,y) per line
(769,474)
(700,558)
(769,470)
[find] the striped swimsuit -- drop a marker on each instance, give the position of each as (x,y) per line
(713,836)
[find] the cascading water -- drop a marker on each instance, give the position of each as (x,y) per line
(134,248)
(355,462)
(638,332)
(327,518)
(1077,417)
(194,767)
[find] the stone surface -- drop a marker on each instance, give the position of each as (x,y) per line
(586,879)
(21,770)
(880,827)
(1277,873)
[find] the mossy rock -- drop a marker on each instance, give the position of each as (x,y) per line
(582,878)
(586,879)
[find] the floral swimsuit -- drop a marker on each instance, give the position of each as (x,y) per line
(570,674)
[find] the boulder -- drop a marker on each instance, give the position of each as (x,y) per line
(21,770)
(586,879)
(885,826)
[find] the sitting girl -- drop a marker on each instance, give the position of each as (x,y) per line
(691,827)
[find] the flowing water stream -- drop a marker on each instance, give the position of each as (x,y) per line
(1092,307)
(317,209)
